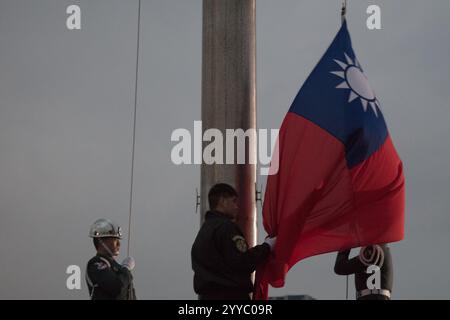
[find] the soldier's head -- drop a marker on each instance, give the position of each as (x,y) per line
(370,251)
(223,198)
(106,235)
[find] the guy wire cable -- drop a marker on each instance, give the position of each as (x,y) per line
(134,125)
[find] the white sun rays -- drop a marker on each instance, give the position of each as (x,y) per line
(357,83)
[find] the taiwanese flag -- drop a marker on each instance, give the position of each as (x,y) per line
(340,181)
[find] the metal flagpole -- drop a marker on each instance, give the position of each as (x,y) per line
(343,14)
(346,289)
(229,98)
(344,10)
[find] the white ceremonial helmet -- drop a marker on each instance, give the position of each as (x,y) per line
(105,228)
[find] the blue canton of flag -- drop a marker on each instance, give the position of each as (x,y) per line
(338,98)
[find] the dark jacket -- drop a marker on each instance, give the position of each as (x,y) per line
(108,280)
(221,259)
(346,266)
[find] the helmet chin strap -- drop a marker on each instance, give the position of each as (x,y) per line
(108,250)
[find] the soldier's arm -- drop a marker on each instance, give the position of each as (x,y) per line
(346,266)
(236,257)
(104,277)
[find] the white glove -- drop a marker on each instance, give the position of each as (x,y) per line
(129,263)
(271,242)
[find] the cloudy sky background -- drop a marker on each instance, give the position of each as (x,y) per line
(66,107)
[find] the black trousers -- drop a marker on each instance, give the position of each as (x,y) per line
(225,296)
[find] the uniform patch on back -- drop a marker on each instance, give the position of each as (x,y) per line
(240,243)
(101,265)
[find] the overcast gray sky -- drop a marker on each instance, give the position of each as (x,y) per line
(66,106)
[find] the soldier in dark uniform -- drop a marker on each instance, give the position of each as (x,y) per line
(221,259)
(360,266)
(107,279)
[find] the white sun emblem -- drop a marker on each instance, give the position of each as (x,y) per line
(356,81)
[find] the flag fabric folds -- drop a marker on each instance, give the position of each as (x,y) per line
(340,181)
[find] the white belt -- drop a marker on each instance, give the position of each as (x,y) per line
(367,292)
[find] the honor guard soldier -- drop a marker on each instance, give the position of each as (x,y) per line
(373,262)
(221,259)
(105,277)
